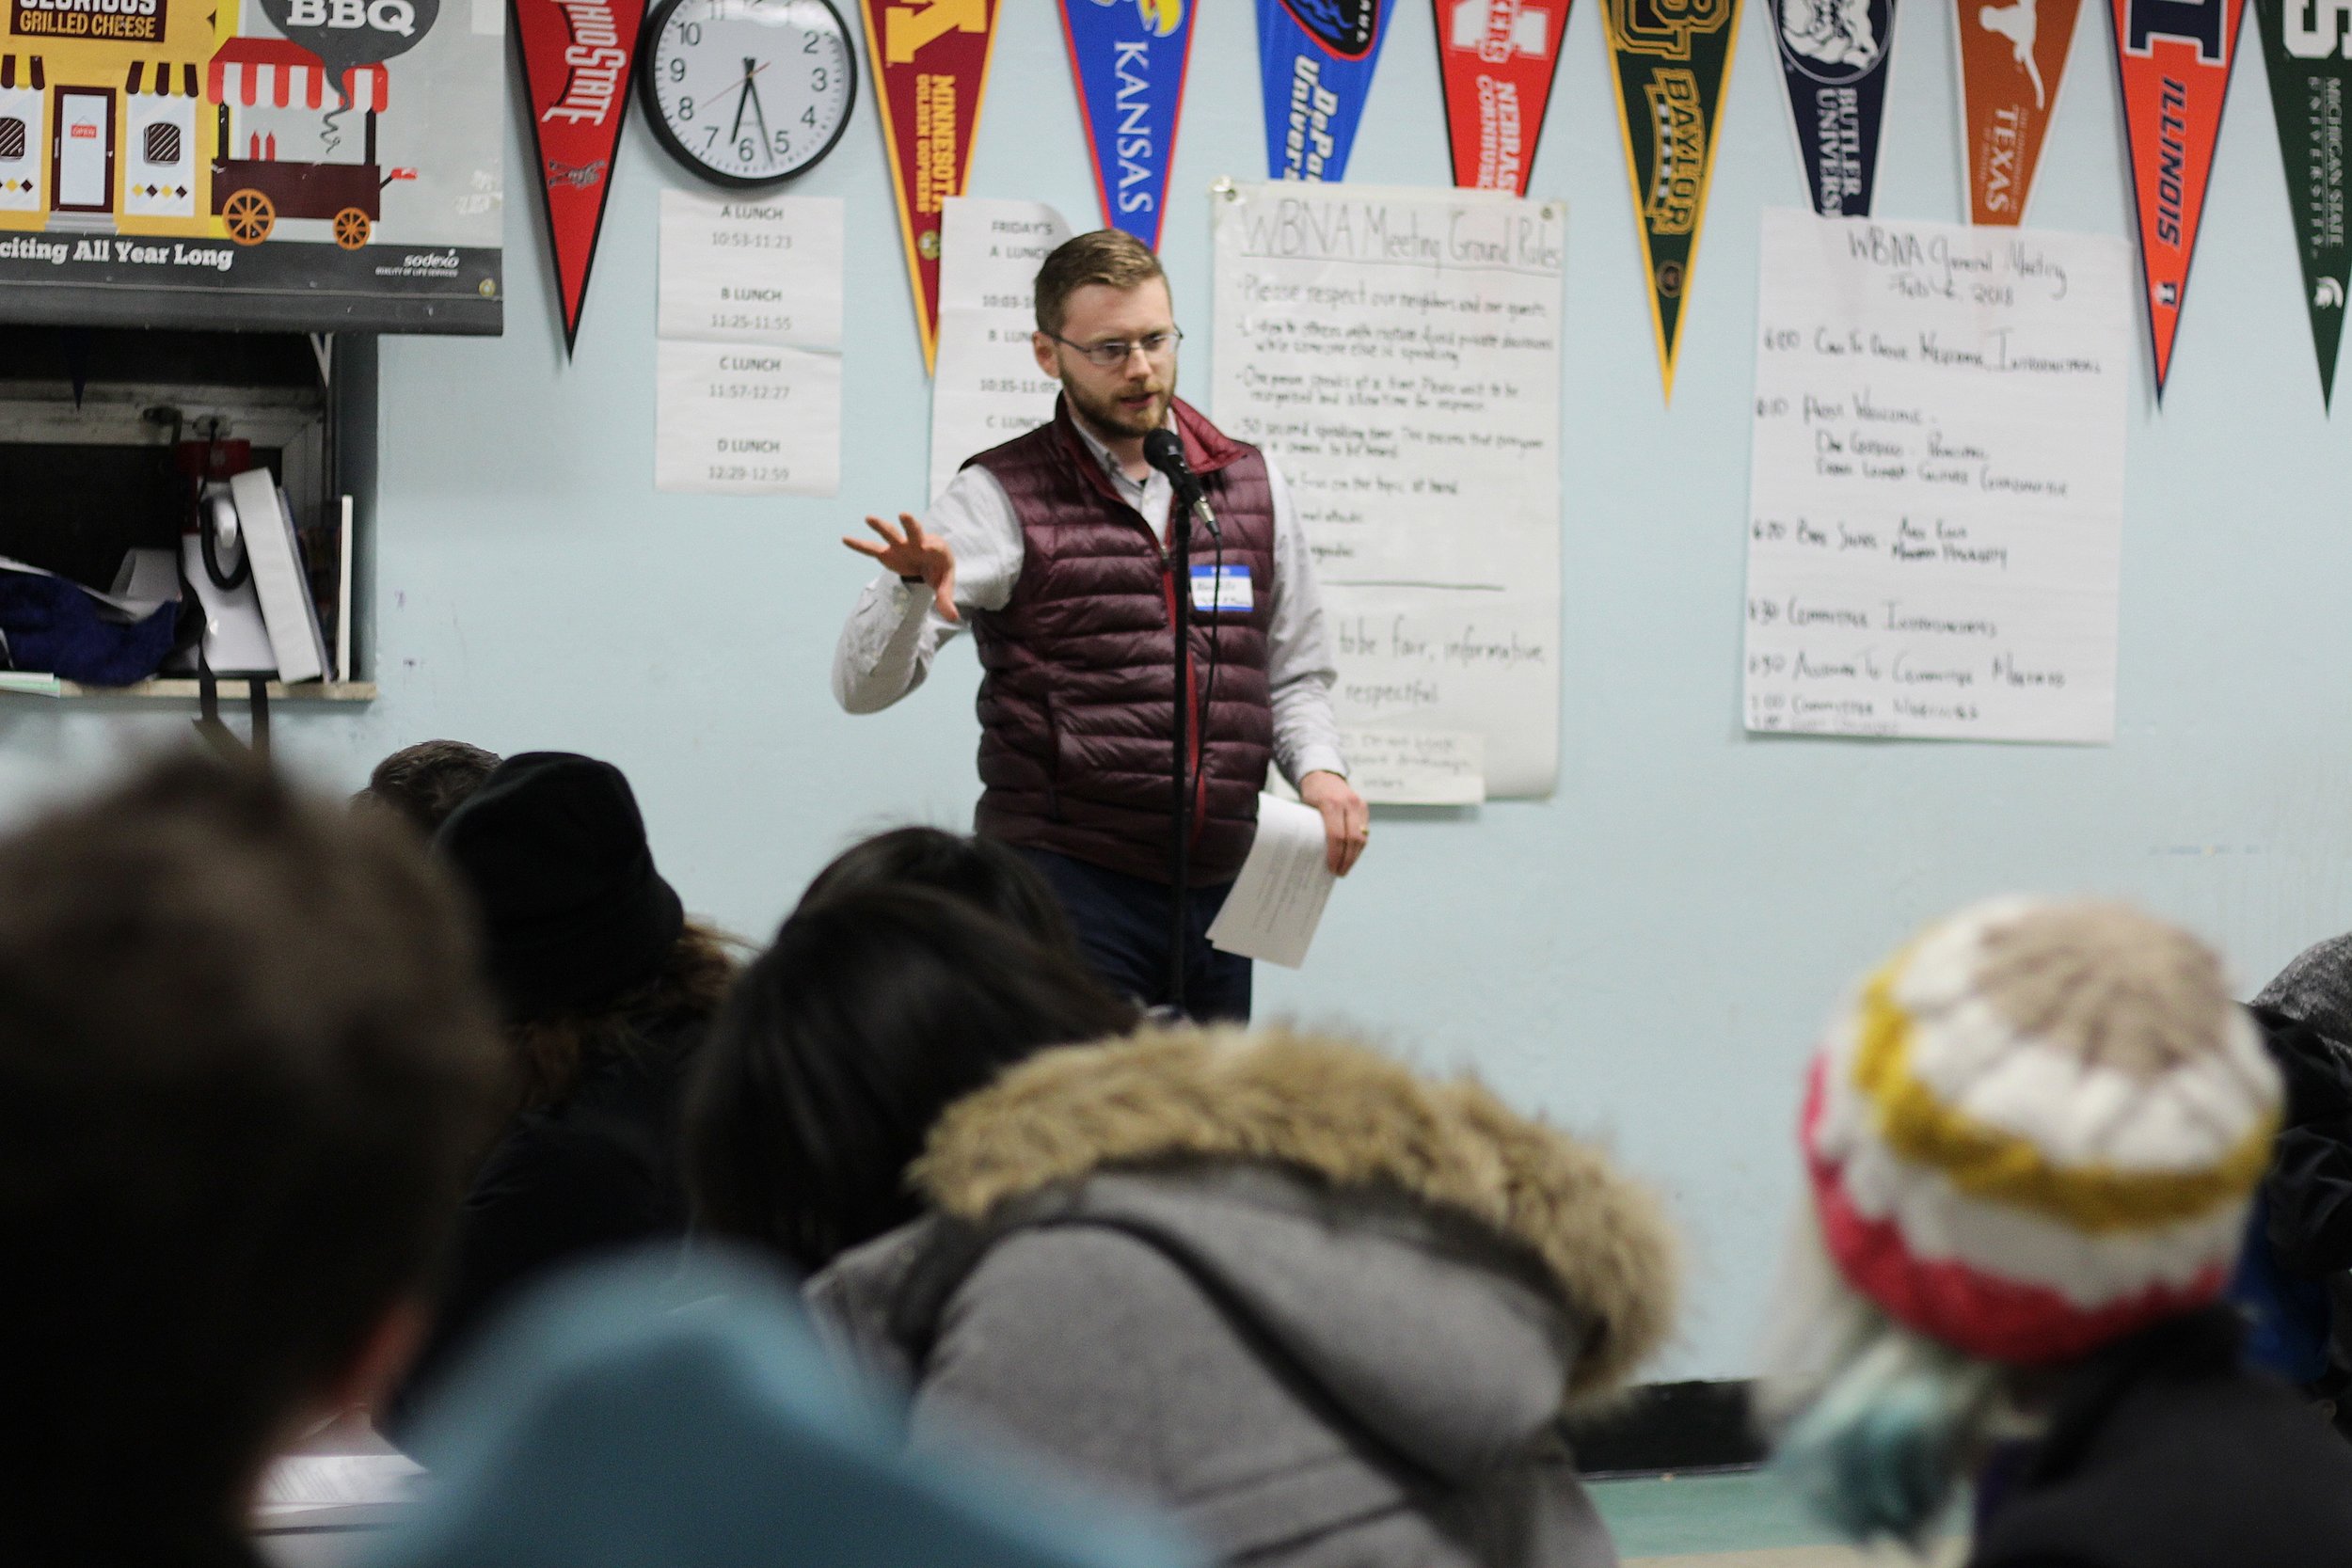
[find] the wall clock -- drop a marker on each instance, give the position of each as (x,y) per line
(747,93)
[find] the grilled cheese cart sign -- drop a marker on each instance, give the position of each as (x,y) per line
(320,164)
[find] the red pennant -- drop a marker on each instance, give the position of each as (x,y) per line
(1498,59)
(2174,57)
(576,67)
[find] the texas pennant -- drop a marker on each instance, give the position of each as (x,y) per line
(1129,59)
(2306,46)
(1496,58)
(576,61)
(930,68)
(1833,58)
(1315,59)
(2174,57)
(1671,57)
(2012,58)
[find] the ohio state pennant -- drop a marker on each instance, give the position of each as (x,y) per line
(2174,59)
(2305,47)
(1671,58)
(1129,59)
(1315,59)
(576,63)
(2013,56)
(1833,59)
(931,69)
(1496,58)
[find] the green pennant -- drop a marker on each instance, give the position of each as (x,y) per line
(2307,49)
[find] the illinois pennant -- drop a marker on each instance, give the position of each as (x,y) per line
(1833,58)
(576,60)
(1671,58)
(1128,58)
(1496,58)
(2174,57)
(930,68)
(2309,50)
(2012,54)
(1316,60)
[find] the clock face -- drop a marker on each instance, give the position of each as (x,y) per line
(748,92)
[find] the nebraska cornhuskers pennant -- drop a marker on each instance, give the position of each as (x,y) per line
(2174,59)
(1128,58)
(2308,48)
(930,68)
(1833,58)
(1496,58)
(2012,54)
(576,60)
(1670,59)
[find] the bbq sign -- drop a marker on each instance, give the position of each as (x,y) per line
(123,21)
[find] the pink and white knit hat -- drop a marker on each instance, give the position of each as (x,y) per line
(2037,1129)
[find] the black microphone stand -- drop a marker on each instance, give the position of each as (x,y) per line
(1180,852)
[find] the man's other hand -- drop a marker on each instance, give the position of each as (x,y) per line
(914,554)
(1346,820)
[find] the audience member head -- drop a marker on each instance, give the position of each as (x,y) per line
(2035,1132)
(424,782)
(991,876)
(2316,988)
(244,1062)
(873,1013)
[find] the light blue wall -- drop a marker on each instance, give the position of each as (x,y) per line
(1649,953)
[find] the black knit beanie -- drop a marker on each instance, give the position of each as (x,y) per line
(573,911)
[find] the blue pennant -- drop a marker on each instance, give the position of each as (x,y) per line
(1317,58)
(1129,59)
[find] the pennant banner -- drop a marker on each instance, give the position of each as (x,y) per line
(930,68)
(1833,57)
(1496,58)
(1671,58)
(1129,59)
(576,65)
(2012,58)
(1315,58)
(2174,57)
(2304,46)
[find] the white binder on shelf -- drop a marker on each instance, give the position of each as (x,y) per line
(293,619)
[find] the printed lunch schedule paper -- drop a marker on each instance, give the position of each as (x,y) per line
(1936,481)
(987,389)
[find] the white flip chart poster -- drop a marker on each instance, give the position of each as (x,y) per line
(986,387)
(1936,488)
(1397,353)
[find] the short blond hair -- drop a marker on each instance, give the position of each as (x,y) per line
(1108,255)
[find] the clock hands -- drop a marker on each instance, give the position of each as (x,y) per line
(767,142)
(751,69)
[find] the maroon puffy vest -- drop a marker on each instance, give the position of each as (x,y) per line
(1077,690)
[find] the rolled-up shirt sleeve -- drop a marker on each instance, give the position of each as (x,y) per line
(1299,667)
(896,629)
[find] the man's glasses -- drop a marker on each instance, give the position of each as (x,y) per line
(1111,355)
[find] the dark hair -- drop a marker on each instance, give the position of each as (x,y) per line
(991,876)
(1108,255)
(424,782)
(689,988)
(244,1059)
(873,1012)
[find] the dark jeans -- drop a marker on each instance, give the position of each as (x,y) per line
(1123,922)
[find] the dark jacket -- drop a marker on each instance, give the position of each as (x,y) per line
(1328,1313)
(2165,1451)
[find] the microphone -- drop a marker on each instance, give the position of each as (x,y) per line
(1164,451)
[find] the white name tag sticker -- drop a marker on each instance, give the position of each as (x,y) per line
(1221,590)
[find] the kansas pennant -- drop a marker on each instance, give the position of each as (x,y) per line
(1129,59)
(1672,57)
(1496,58)
(2308,48)
(576,60)
(1315,59)
(2011,55)
(2174,59)
(1833,57)
(930,66)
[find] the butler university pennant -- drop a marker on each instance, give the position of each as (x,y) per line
(1496,58)
(2012,54)
(1129,59)
(1671,58)
(2174,59)
(2308,47)
(1315,59)
(1833,59)
(930,68)
(576,61)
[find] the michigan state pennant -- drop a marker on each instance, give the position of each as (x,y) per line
(2012,54)
(1671,57)
(576,60)
(2174,57)
(1833,59)
(1315,59)
(1129,59)
(2305,47)
(1496,58)
(930,68)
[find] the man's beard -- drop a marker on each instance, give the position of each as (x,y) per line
(1108,417)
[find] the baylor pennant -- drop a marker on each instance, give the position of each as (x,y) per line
(2174,57)
(1671,58)
(2012,54)
(2308,46)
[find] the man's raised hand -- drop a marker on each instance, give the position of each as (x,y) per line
(914,554)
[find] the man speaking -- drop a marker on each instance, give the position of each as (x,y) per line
(1055,544)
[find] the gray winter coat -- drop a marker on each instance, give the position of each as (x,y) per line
(1326,1312)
